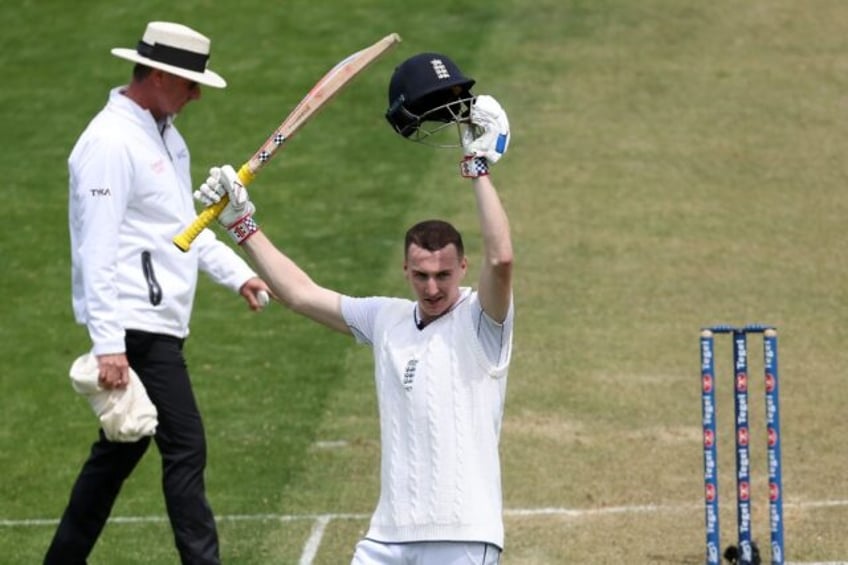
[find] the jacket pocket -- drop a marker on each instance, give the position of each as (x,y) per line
(154,290)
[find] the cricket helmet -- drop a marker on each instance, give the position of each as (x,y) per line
(427,87)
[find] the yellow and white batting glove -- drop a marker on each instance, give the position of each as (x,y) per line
(237,216)
(485,142)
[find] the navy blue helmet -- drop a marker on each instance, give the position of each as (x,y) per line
(427,87)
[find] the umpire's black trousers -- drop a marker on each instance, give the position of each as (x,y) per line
(159,362)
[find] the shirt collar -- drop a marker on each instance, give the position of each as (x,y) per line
(464,293)
(127,106)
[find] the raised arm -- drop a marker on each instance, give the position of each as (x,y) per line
(288,282)
(482,151)
(495,285)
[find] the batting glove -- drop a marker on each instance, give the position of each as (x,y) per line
(237,216)
(487,140)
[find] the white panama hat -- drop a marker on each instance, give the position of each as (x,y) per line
(176,49)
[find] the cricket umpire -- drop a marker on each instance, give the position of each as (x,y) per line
(130,193)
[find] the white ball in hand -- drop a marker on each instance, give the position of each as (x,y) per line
(263,298)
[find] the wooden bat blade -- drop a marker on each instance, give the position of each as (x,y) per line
(318,96)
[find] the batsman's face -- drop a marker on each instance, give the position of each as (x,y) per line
(435,277)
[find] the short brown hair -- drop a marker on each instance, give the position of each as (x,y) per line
(433,235)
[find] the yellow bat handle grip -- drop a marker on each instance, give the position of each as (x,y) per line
(208,215)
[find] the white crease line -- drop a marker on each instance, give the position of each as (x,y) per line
(310,550)
(576,513)
(552,511)
(222,518)
(330,444)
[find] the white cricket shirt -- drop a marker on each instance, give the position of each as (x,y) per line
(441,402)
(130,194)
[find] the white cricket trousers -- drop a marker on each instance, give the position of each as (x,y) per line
(370,552)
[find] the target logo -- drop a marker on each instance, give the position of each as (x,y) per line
(744,491)
(771,382)
(707,383)
(742,436)
(742,382)
(710,492)
(772,437)
(709,438)
(774,492)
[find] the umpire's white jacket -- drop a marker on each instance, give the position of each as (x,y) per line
(130,193)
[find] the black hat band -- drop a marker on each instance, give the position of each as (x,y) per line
(174,56)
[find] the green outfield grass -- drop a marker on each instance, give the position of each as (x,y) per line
(674,164)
